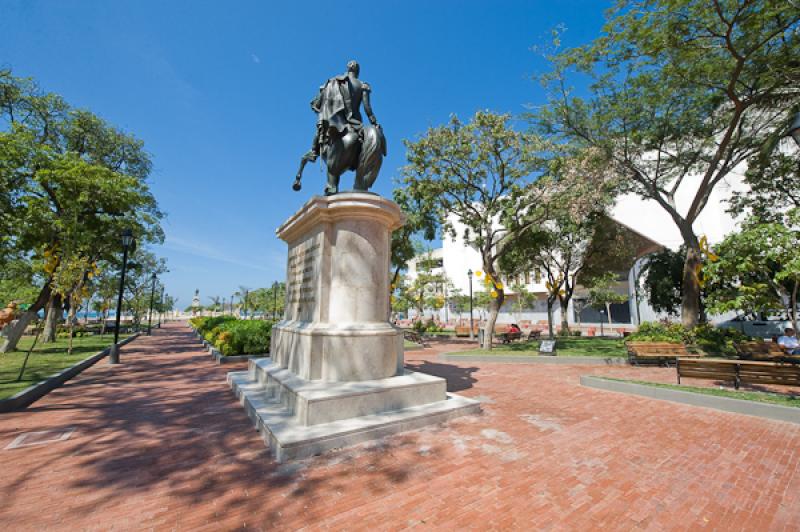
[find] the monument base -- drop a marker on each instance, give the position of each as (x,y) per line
(298,418)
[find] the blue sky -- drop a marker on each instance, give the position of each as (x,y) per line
(219,92)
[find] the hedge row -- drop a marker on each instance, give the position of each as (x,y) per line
(232,336)
(704,337)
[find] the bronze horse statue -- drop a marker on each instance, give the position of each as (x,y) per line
(341,138)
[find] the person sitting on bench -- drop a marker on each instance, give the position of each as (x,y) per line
(789,342)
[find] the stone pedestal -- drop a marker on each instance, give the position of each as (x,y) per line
(335,376)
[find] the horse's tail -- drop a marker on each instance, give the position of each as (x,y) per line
(370,159)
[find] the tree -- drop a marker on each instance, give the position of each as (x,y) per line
(139,283)
(662,275)
(475,176)
(459,302)
(77,183)
(773,188)
(682,92)
(68,285)
(602,294)
(524,299)
(420,220)
(216,303)
(244,298)
(570,248)
(756,270)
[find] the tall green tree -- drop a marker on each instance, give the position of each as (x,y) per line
(756,270)
(682,92)
(77,183)
(477,177)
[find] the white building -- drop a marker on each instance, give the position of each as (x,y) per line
(644,218)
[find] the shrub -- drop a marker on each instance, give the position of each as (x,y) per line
(207,324)
(241,337)
(659,332)
(704,337)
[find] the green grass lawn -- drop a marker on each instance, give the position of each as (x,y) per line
(45,360)
(567,347)
(760,397)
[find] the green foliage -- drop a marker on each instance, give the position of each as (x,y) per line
(241,337)
(205,324)
(659,332)
(773,182)
(70,183)
(705,337)
(426,326)
(662,275)
(478,174)
(756,270)
(602,292)
(679,88)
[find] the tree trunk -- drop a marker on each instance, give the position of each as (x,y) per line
(690,293)
(564,303)
(54,312)
(550,317)
(71,321)
(608,312)
(494,310)
(793,314)
(14,330)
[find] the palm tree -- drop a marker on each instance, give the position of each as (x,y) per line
(244,295)
(215,300)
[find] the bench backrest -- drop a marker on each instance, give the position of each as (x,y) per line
(747,372)
(758,348)
(656,348)
(705,369)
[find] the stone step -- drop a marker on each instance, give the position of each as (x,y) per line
(316,402)
(288,439)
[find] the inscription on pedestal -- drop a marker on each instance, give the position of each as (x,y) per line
(301,276)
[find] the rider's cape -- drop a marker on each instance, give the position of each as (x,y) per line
(333,104)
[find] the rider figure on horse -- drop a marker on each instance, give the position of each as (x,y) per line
(340,130)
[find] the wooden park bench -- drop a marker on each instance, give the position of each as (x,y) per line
(463,330)
(739,371)
(759,350)
(505,336)
(657,352)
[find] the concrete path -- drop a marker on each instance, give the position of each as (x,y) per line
(159,442)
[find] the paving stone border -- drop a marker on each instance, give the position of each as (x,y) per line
(32,393)
(543,359)
(788,414)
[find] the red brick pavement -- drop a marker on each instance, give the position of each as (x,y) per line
(159,442)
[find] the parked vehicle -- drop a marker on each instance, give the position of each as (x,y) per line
(757,328)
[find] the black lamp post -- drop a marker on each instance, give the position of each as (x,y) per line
(161,306)
(275,301)
(471,335)
(232,303)
(223,306)
(794,129)
(244,303)
(127,241)
(152,299)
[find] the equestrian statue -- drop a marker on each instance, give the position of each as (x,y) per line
(341,137)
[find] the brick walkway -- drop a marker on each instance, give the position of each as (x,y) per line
(159,442)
